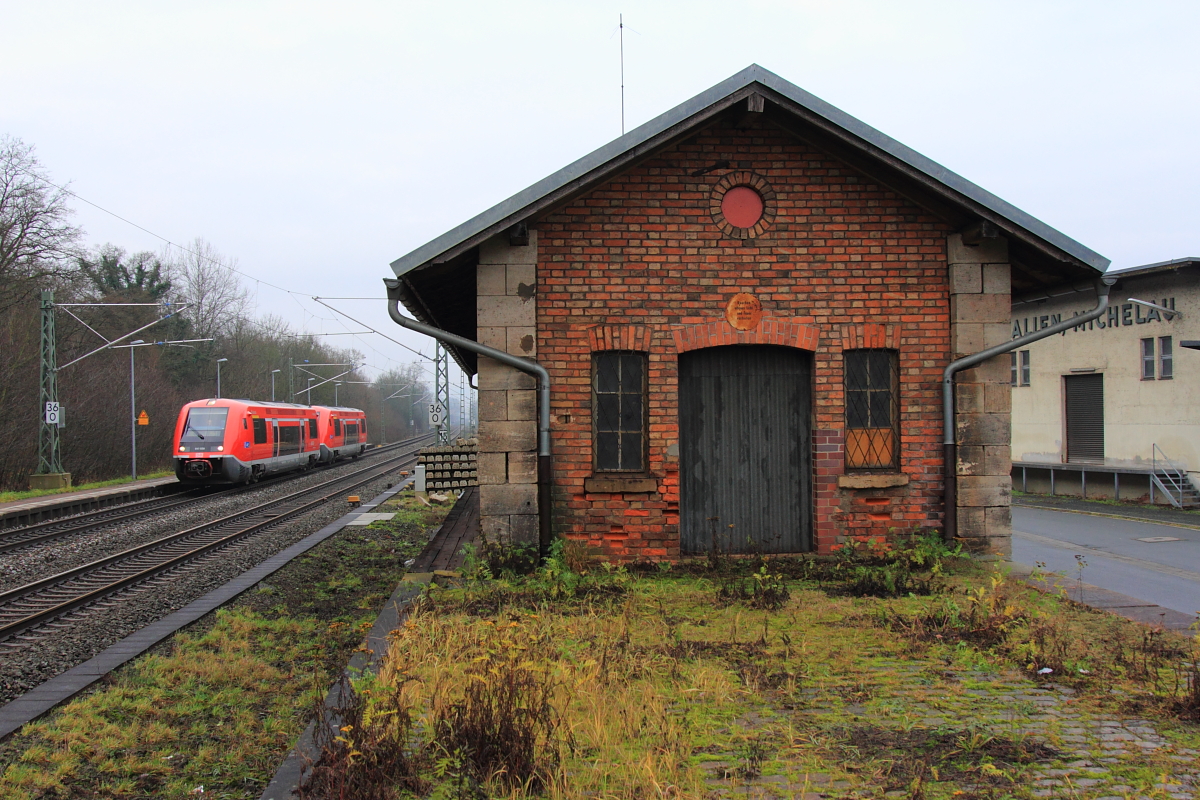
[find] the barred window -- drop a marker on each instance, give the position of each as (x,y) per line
(872,409)
(619,411)
(1024,367)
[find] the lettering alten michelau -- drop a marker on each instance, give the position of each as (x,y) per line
(1119,314)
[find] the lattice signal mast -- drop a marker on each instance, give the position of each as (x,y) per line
(441,389)
(49,457)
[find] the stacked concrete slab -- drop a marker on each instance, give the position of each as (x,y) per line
(450,466)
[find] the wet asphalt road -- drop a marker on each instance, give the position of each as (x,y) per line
(1114,553)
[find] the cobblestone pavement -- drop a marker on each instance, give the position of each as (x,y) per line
(1092,754)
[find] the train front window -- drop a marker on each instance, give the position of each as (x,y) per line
(204,426)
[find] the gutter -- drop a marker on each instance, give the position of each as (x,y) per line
(545,534)
(949,445)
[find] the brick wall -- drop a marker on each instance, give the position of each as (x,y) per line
(841,256)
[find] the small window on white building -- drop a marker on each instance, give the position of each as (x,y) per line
(1020,367)
(1166,366)
(1148,359)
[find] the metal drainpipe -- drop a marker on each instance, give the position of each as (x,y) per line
(949,446)
(545,533)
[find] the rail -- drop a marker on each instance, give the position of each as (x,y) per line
(36,603)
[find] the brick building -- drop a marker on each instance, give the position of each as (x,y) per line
(745,307)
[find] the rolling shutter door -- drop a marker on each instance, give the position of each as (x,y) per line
(1085,418)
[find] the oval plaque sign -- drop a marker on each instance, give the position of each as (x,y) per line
(744,311)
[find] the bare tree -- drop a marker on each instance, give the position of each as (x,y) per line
(37,239)
(205,279)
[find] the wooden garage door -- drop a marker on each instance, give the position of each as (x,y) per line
(1085,418)
(745,449)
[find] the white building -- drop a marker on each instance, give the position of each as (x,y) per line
(1099,409)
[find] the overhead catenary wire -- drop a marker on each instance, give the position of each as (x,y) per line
(365,325)
(296,296)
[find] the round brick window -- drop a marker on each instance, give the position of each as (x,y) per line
(742,207)
(742,204)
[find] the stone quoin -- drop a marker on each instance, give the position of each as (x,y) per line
(745,307)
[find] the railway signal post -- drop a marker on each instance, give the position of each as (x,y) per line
(50,474)
(441,395)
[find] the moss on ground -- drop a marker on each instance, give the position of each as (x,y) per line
(220,705)
(9,497)
(655,683)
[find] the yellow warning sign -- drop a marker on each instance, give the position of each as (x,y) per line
(143,418)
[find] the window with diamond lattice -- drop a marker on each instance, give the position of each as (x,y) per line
(872,409)
(619,405)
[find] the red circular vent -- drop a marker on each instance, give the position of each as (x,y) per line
(742,207)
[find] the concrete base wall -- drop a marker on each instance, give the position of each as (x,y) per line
(50,481)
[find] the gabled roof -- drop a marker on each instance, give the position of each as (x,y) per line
(1041,255)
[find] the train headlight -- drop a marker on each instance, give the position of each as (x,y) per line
(220,447)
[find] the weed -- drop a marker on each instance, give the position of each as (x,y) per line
(764,590)
(505,725)
(367,746)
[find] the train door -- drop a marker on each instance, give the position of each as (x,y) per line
(745,449)
(260,446)
(274,438)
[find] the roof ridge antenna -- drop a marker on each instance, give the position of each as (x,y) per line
(620,29)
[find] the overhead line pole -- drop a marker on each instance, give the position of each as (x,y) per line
(49,459)
(442,389)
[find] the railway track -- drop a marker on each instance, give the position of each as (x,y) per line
(36,605)
(56,529)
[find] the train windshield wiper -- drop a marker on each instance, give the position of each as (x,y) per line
(193,430)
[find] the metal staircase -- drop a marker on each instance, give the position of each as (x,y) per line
(1173,482)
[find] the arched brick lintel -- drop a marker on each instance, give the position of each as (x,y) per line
(769,331)
(619,337)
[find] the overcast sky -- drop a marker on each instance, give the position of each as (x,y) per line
(317,142)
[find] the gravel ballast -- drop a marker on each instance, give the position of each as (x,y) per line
(82,635)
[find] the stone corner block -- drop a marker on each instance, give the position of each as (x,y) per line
(507,436)
(966,279)
(507,500)
(522,467)
(497,250)
(510,311)
(489,280)
(521,341)
(997,279)
(990,251)
(521,280)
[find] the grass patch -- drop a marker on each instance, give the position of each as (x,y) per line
(9,497)
(763,676)
(221,704)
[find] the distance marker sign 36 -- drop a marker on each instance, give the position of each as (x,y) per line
(437,415)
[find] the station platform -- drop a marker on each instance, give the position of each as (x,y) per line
(62,504)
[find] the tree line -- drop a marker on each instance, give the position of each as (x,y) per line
(189,293)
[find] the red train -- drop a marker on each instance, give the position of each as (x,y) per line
(241,441)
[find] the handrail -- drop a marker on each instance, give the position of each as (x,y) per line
(1173,474)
